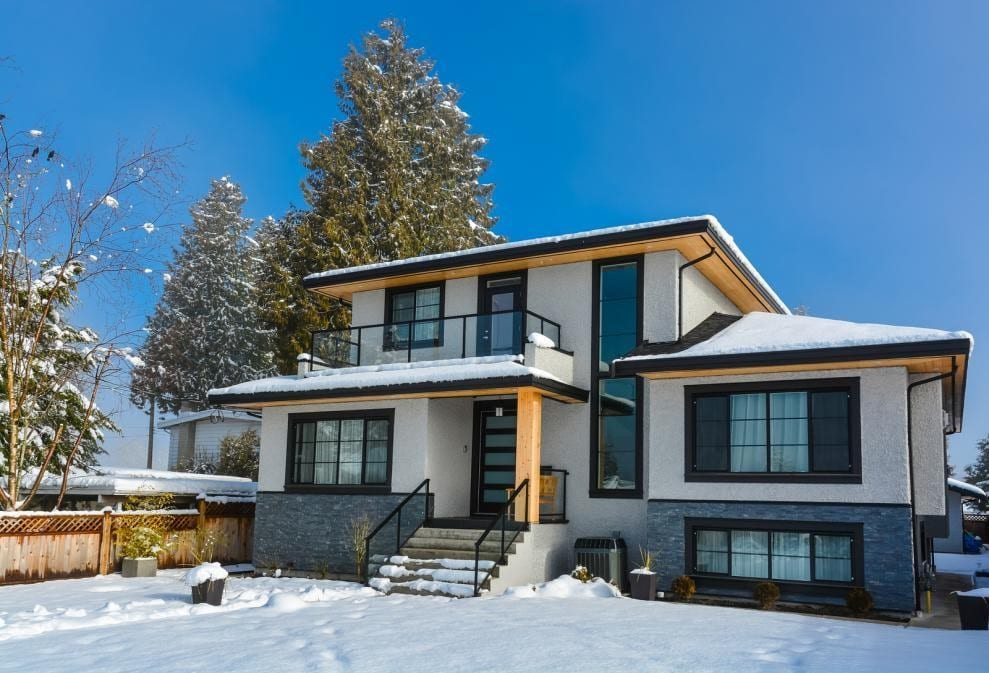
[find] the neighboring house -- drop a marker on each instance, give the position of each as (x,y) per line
(960,495)
(197,435)
(111,487)
(653,364)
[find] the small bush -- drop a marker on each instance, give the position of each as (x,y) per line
(859,601)
(581,573)
(766,594)
(684,588)
(141,542)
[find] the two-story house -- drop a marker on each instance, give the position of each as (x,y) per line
(643,379)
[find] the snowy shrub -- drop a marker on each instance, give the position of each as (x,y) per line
(683,588)
(150,502)
(357,531)
(142,541)
(766,594)
(581,573)
(206,545)
(859,601)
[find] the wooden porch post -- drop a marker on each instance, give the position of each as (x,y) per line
(528,443)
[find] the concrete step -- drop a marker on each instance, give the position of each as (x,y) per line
(463,534)
(411,591)
(444,575)
(426,553)
(453,543)
(414,565)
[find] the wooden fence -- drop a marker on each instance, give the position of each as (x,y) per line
(55,545)
(978,525)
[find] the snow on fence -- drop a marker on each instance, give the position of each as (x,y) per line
(37,546)
(978,525)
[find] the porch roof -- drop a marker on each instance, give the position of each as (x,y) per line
(439,378)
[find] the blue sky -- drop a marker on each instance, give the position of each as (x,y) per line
(843,144)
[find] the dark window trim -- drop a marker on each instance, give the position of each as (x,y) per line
(596,376)
(365,414)
(475,449)
(482,285)
(849,384)
(427,343)
(855,530)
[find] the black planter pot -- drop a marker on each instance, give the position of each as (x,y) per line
(643,586)
(973,611)
(208,592)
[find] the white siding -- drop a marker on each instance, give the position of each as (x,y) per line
(368,308)
(460,297)
(701,298)
(563,293)
(928,448)
(659,301)
(883,442)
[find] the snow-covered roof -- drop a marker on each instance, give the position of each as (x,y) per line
(759,332)
(130,481)
(465,256)
(375,376)
(966,489)
(220,415)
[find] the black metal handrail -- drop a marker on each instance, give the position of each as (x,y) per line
(345,348)
(506,509)
(397,512)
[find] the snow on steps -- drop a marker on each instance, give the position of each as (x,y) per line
(439,562)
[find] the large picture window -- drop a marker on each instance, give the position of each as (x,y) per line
(782,555)
(787,428)
(349,450)
(616,460)
(415,314)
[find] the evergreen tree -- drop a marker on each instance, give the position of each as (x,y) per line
(398,176)
(205,330)
(978,472)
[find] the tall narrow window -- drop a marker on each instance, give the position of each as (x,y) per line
(415,314)
(616,459)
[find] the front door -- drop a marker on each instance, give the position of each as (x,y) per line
(494,455)
(500,323)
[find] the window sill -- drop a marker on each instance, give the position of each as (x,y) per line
(350,489)
(774,477)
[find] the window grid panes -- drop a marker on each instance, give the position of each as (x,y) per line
(787,432)
(341,451)
(786,556)
(416,312)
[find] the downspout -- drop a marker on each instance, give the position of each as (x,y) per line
(913,495)
(680,271)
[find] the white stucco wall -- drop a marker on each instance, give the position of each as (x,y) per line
(928,448)
(460,297)
(448,454)
(701,298)
(368,308)
(882,403)
(563,293)
(408,453)
(659,300)
(952,544)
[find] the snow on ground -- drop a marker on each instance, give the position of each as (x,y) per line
(290,624)
(961,564)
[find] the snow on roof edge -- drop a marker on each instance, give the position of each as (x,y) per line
(188,417)
(971,489)
(720,232)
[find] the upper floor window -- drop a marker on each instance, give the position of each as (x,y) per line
(779,428)
(340,449)
(415,314)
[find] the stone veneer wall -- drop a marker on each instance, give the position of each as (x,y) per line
(886,539)
(307,531)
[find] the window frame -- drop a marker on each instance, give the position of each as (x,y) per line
(770,526)
(388,344)
(358,414)
(594,491)
(849,385)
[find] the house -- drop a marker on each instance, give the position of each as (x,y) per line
(960,495)
(196,435)
(643,380)
(99,487)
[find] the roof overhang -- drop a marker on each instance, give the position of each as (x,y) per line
(555,390)
(692,238)
(948,356)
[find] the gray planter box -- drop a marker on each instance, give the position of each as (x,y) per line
(139,567)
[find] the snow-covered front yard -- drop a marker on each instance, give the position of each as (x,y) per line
(114,624)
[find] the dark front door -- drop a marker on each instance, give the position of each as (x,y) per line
(500,323)
(494,455)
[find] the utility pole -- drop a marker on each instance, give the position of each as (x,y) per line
(151,434)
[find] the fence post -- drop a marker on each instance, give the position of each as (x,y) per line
(106,542)
(201,525)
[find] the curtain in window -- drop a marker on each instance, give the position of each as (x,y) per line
(711,551)
(788,432)
(748,433)
(327,433)
(749,553)
(791,556)
(833,558)
(427,308)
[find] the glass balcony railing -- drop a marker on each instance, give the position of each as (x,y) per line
(466,336)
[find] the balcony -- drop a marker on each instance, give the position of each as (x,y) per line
(465,336)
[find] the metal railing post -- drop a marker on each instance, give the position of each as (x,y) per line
(463,336)
(398,533)
(358,363)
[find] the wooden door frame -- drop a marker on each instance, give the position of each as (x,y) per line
(475,462)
